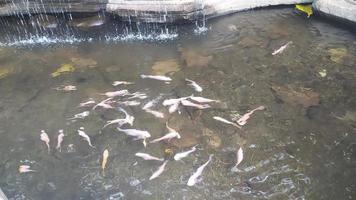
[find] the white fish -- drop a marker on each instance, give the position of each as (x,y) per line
(173,108)
(243,120)
(117,93)
(226,121)
(193,179)
(104,104)
(202,99)
(195,86)
(129,103)
(138,95)
(87,103)
(146,156)
(155,113)
(282,48)
(45,139)
(25,169)
(151,103)
(159,170)
(156,77)
(129,119)
(116,83)
(80,115)
(138,134)
(85,136)
(60,140)
(184,154)
(239,158)
(169,102)
(105,160)
(171,134)
(191,104)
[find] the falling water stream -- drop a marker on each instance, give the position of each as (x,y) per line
(302,146)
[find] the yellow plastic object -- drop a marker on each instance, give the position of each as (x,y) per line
(63,69)
(305,8)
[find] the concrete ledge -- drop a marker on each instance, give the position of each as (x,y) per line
(342,9)
(161,11)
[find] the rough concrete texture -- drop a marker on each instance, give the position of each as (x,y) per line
(344,9)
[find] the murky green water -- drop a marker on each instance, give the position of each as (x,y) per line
(301,147)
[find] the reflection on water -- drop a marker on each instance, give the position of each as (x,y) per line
(301,147)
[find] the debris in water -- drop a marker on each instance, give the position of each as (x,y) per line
(25,169)
(305,8)
(323,73)
(66,88)
(64,68)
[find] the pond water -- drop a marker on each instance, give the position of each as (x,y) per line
(302,146)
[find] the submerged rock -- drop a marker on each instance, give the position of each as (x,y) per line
(88,22)
(305,97)
(212,139)
(195,59)
(45,21)
(165,66)
(81,62)
(337,54)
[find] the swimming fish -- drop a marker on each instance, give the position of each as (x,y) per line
(155,113)
(146,156)
(117,93)
(194,85)
(129,103)
(85,136)
(243,120)
(171,134)
(60,140)
(87,103)
(66,88)
(103,104)
(184,154)
(193,179)
(202,99)
(105,160)
(116,83)
(281,49)
(138,134)
(239,158)
(80,115)
(159,170)
(25,168)
(127,120)
(156,77)
(226,121)
(45,139)
(191,104)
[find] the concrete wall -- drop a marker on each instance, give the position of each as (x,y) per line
(146,10)
(344,9)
